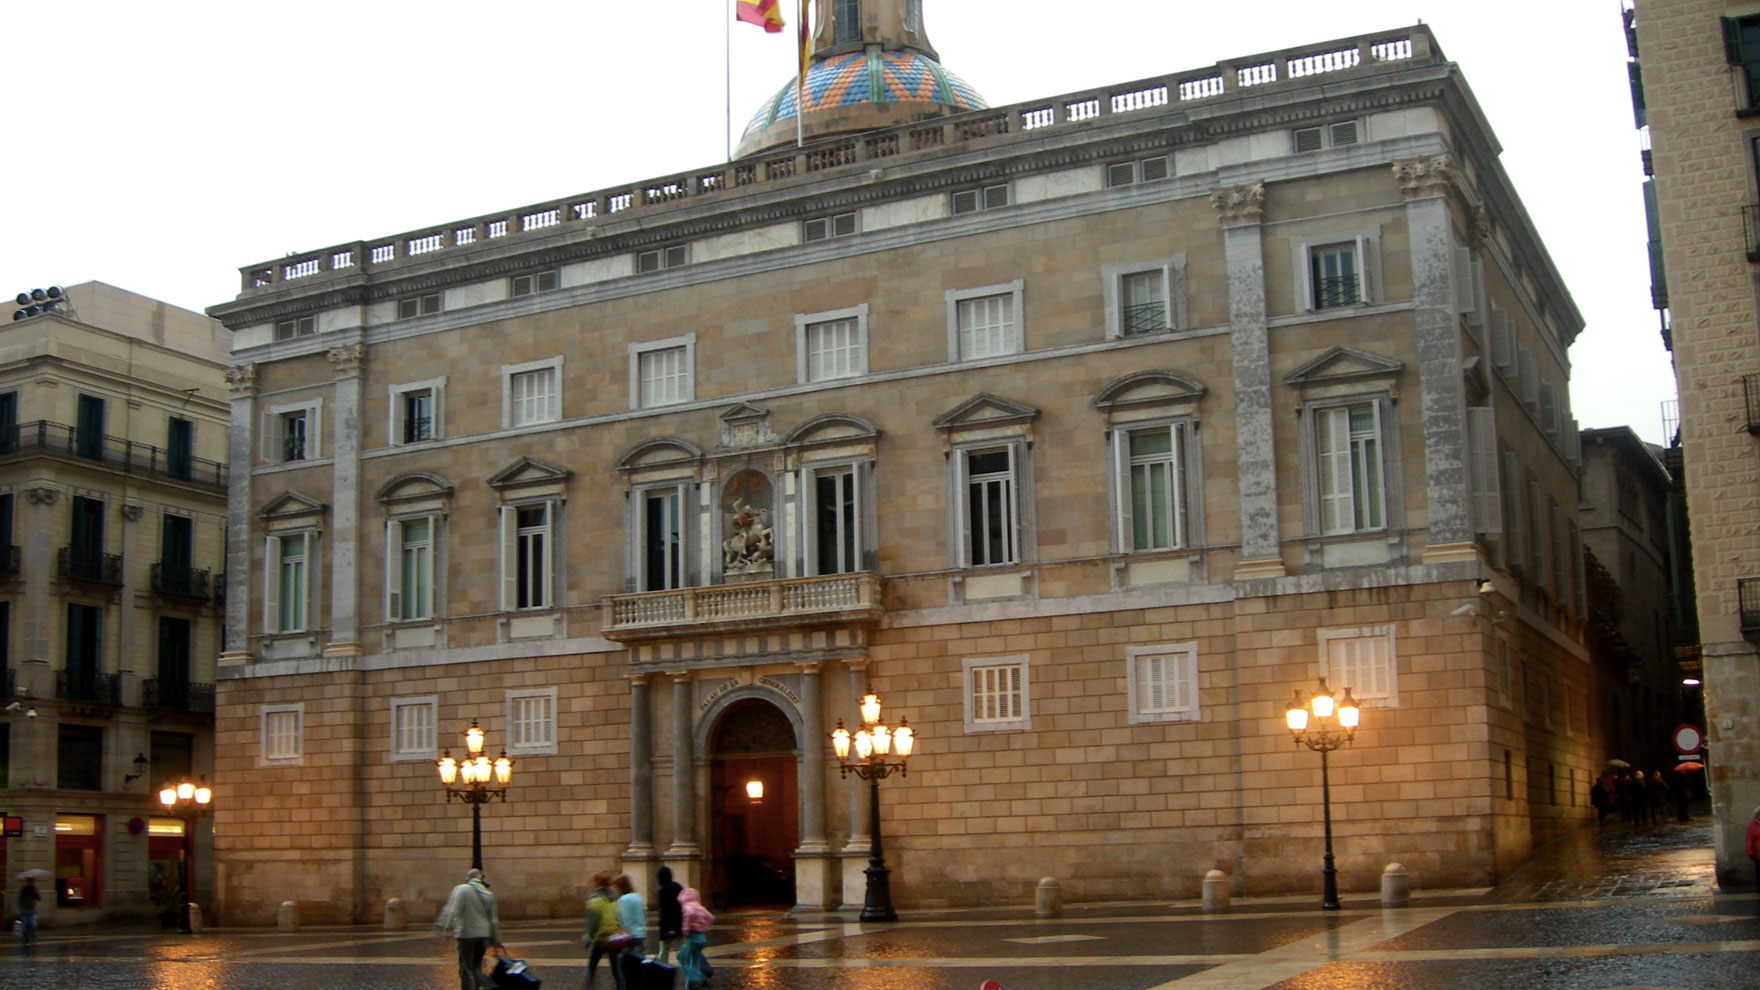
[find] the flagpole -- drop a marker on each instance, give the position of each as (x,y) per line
(800,82)
(727,89)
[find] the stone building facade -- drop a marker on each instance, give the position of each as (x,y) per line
(113,484)
(1697,99)
(1083,431)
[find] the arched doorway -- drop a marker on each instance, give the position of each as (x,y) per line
(753,838)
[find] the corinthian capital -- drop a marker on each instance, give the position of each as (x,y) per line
(1431,176)
(348,360)
(1239,205)
(242,380)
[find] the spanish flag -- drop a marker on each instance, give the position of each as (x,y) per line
(760,12)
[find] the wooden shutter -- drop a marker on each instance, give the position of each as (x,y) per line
(1332,448)
(1482,449)
(272,584)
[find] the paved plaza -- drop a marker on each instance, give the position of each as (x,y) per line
(1625,907)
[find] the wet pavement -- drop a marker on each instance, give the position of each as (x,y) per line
(1614,908)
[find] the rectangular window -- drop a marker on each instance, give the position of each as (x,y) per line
(287,582)
(1741,44)
(1152,487)
(1336,135)
(290,432)
(992,533)
(996,694)
(1335,275)
(1361,660)
(415,411)
(1347,440)
(847,17)
(536,282)
(282,733)
(983,198)
(531,556)
(179,447)
(412,728)
(303,326)
(8,422)
(412,597)
(672,256)
(1133,172)
(986,327)
(293,436)
(531,393)
(660,372)
(174,652)
(836,527)
(662,539)
(1163,682)
(423,305)
(83,657)
(820,228)
(834,350)
(89,430)
(531,721)
(79,757)
(1143,302)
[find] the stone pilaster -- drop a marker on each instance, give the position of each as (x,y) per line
(812,859)
(348,364)
(1426,184)
(641,771)
(1240,209)
(684,777)
(37,527)
(855,852)
(241,444)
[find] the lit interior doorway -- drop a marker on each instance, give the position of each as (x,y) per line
(754,812)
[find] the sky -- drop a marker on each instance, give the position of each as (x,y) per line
(162,147)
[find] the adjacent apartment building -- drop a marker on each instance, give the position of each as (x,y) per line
(113,483)
(1696,84)
(1083,431)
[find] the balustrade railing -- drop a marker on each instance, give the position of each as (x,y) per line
(792,597)
(1297,66)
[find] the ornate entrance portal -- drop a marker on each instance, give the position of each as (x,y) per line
(754,807)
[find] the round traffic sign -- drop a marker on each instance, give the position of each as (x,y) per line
(1688,739)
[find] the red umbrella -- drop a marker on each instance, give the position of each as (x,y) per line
(1688,766)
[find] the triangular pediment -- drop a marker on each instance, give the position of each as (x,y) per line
(982,410)
(659,452)
(744,411)
(527,471)
(291,505)
(1148,388)
(1344,364)
(413,485)
(830,428)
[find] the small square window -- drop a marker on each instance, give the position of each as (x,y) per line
(281,732)
(414,306)
(832,345)
(1142,170)
(820,228)
(531,393)
(412,728)
(531,721)
(984,322)
(526,285)
(1363,661)
(996,694)
(982,198)
(671,256)
(1163,683)
(303,326)
(661,372)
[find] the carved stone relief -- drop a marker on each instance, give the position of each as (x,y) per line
(1238,205)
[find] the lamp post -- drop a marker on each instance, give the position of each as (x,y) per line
(188,800)
(1323,725)
(475,780)
(874,744)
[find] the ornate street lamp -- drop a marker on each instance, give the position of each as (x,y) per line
(475,780)
(188,800)
(879,751)
(1332,724)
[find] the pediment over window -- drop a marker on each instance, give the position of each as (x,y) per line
(291,505)
(984,411)
(1148,389)
(1345,365)
(746,425)
(413,486)
(660,452)
(528,472)
(831,428)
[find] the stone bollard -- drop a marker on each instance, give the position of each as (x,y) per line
(1216,892)
(1396,886)
(287,919)
(1048,899)
(195,917)
(396,916)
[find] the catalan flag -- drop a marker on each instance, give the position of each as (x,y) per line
(763,13)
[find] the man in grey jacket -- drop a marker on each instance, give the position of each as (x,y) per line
(470,916)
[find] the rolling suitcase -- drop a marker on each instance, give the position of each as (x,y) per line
(657,975)
(512,974)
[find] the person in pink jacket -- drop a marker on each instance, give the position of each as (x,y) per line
(1753,845)
(696,922)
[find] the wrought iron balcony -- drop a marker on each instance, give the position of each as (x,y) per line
(184,582)
(94,568)
(734,607)
(1144,318)
(177,696)
(43,436)
(1336,290)
(88,685)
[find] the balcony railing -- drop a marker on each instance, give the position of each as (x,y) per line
(1748,594)
(177,696)
(44,436)
(1145,318)
(762,603)
(96,568)
(220,588)
(184,582)
(1335,290)
(88,685)
(10,560)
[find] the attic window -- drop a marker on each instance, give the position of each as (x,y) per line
(1335,135)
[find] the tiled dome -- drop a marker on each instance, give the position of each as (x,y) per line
(871,77)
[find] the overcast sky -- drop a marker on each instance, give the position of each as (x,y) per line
(162,147)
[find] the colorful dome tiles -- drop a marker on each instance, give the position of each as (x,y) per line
(870,77)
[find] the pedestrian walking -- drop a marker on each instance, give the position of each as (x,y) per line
(671,920)
(632,919)
(28,899)
(1753,845)
(695,921)
(470,917)
(601,927)
(1657,790)
(1601,797)
(1631,798)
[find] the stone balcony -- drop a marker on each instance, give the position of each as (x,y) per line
(746,607)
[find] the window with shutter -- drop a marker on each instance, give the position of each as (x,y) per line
(1163,683)
(996,694)
(412,728)
(1362,660)
(1155,169)
(531,721)
(1309,139)
(1343,133)
(1121,174)
(965,201)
